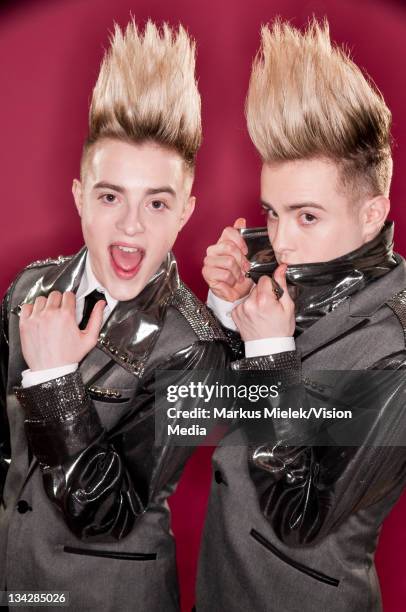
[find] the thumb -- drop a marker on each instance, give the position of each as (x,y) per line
(95,320)
(280,277)
(240,223)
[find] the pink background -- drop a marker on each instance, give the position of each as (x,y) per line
(50,54)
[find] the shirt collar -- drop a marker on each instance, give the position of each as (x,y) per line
(89,283)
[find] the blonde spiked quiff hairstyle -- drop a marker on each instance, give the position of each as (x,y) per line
(146,90)
(307,99)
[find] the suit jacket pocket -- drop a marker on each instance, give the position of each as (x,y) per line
(112,404)
(110,554)
(296,564)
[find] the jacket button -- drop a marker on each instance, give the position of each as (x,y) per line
(23,506)
(218,477)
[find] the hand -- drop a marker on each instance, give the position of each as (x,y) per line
(225,265)
(50,336)
(262,315)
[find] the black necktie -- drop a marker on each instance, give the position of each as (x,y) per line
(90,301)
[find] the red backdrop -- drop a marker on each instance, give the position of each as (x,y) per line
(50,54)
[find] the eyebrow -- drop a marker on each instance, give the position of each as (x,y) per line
(164,189)
(295,206)
(104,185)
(120,189)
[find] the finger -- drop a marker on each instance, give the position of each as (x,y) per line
(54,300)
(231,233)
(264,284)
(280,275)
(220,274)
(224,291)
(230,249)
(39,304)
(240,223)
(95,320)
(250,304)
(69,302)
(267,296)
(26,310)
(280,278)
(265,288)
(224,262)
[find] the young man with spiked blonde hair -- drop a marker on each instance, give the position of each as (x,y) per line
(83,486)
(293,525)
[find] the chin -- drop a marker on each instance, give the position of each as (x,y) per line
(125,295)
(123,291)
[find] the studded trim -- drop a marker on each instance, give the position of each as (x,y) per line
(397,303)
(46,262)
(102,393)
(200,318)
(134,366)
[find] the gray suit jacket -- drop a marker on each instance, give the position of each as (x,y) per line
(299,532)
(84,498)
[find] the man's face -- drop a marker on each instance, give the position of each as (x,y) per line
(133,200)
(308,216)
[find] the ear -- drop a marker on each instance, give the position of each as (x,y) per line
(77,195)
(187,211)
(373,214)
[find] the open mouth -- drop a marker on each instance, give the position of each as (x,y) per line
(126,260)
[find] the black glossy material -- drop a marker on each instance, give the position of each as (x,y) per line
(306,491)
(103,480)
(131,330)
(318,288)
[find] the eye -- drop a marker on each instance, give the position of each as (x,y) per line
(158,205)
(269,212)
(108,198)
(308,219)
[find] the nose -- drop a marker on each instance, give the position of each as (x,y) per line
(280,238)
(129,221)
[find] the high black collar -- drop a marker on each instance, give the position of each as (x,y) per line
(318,288)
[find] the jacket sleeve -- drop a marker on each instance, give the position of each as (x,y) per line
(96,478)
(306,491)
(5,453)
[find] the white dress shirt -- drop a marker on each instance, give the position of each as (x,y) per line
(253,348)
(88,283)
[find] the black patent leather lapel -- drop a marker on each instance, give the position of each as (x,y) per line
(63,277)
(133,327)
